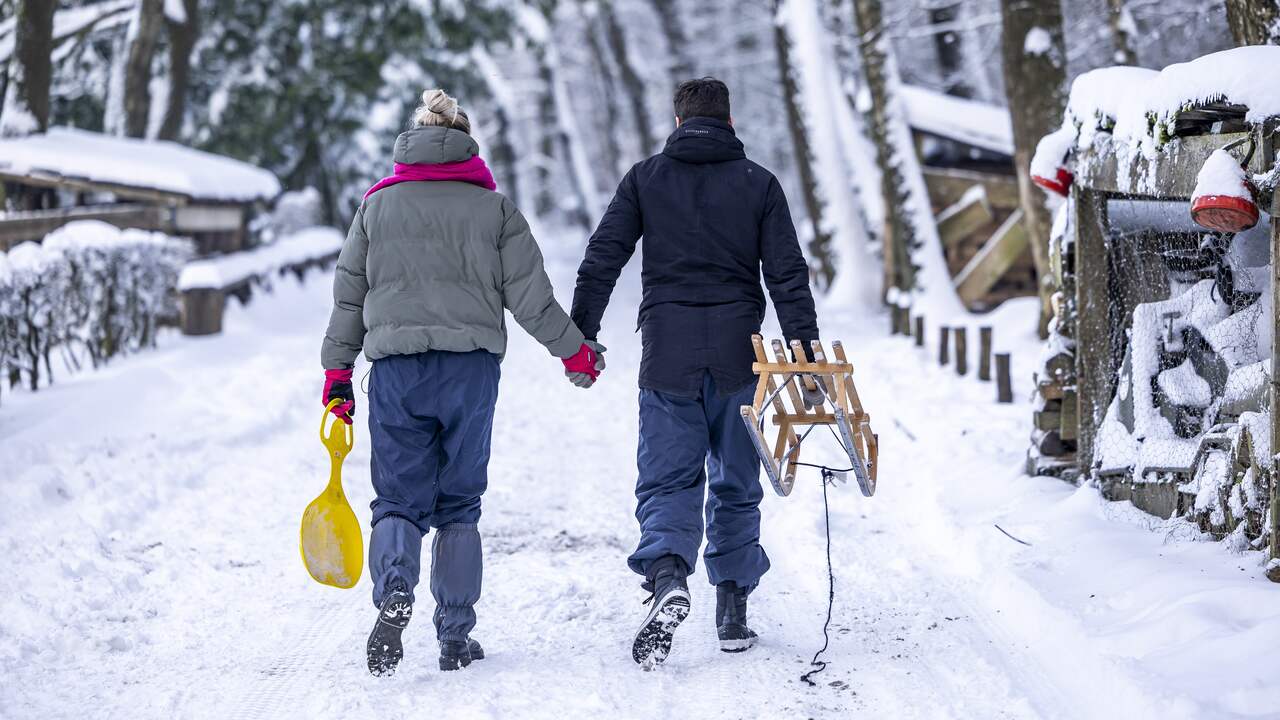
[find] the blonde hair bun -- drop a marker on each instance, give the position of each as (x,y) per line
(439,109)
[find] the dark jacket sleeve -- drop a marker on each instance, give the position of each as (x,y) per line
(345,335)
(610,247)
(786,274)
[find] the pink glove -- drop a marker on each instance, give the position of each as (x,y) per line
(587,361)
(337,385)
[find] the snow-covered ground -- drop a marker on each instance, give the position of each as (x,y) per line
(149,517)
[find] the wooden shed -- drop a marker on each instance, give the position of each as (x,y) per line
(50,179)
(966,155)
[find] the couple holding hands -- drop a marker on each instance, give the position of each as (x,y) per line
(433,259)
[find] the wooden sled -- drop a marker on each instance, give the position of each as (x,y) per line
(842,410)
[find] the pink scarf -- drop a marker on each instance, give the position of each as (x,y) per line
(472,171)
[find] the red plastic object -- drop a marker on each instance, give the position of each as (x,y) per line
(1060,184)
(1224,213)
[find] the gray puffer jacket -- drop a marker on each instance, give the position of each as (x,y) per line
(431,265)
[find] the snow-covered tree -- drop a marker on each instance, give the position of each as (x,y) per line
(141,41)
(1035,83)
(1254,22)
(915,270)
(182,28)
(26,98)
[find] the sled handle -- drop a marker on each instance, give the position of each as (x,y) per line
(339,443)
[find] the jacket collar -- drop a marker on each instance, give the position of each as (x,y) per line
(704,140)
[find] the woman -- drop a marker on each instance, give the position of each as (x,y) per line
(433,257)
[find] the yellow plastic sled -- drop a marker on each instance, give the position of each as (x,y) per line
(332,546)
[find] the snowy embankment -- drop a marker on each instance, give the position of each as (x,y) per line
(148,521)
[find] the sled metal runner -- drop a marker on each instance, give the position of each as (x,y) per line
(778,389)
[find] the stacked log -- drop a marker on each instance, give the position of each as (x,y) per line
(1054,425)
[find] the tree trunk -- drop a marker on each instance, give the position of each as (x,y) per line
(545,201)
(1034,55)
(677,43)
(1254,22)
(26,99)
(899,235)
(504,154)
(916,271)
(144,32)
(1120,20)
(182,39)
(946,42)
(632,83)
(612,116)
(820,244)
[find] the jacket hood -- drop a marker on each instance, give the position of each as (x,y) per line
(704,140)
(434,145)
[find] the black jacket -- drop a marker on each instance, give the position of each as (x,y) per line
(711,221)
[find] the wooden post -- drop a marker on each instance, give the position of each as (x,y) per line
(984,353)
(906,322)
(202,311)
(944,345)
(919,331)
(1273,574)
(1093,336)
(962,350)
(1004,384)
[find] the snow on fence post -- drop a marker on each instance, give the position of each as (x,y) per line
(202,311)
(1004,384)
(962,351)
(205,283)
(944,345)
(984,353)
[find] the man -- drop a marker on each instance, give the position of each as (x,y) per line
(712,220)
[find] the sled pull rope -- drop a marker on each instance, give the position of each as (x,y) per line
(828,477)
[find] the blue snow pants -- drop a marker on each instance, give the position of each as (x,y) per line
(431,419)
(686,443)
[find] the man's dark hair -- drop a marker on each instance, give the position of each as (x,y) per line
(704,97)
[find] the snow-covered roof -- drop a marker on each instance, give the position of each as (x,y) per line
(144,164)
(1097,96)
(1134,112)
(1137,100)
(967,121)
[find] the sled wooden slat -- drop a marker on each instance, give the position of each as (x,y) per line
(779,389)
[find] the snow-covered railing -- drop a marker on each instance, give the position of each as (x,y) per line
(90,292)
(205,283)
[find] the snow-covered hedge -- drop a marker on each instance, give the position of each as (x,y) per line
(89,291)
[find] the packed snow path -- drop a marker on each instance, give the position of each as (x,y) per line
(149,517)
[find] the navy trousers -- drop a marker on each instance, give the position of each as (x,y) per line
(687,443)
(431,420)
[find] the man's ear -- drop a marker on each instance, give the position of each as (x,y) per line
(677,121)
(730,121)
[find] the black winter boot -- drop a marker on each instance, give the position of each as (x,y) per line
(731,617)
(455,655)
(667,581)
(384,647)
